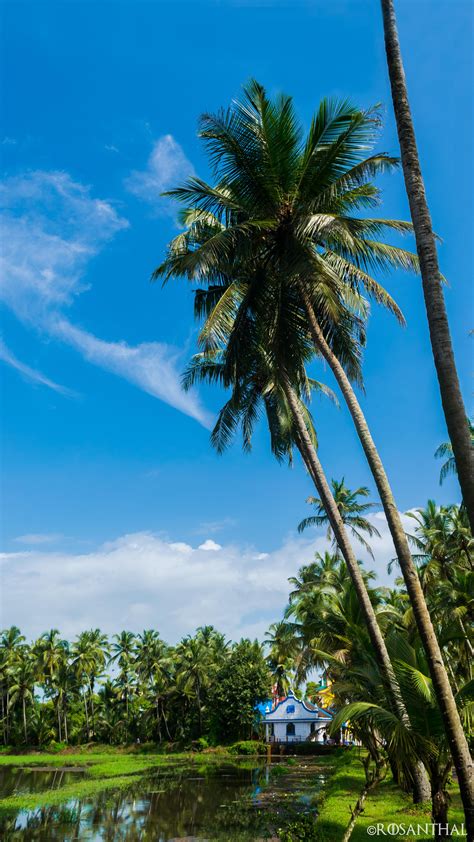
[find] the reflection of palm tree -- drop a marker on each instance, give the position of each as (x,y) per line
(351,511)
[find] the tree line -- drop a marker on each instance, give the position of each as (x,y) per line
(132,687)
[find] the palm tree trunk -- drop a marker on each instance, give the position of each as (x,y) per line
(87,715)
(444,694)
(24,721)
(440,336)
(311,460)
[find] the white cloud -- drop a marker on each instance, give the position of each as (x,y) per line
(142,580)
(153,366)
(39,538)
(31,374)
(52,227)
(209,544)
(167,167)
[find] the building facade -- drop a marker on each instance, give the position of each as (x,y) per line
(292,720)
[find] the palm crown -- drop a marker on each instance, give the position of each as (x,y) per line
(352,512)
(284,212)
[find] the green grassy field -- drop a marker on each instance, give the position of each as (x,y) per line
(386,805)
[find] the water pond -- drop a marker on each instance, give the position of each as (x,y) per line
(224,802)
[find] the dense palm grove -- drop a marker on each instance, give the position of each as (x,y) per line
(129,688)
(324,627)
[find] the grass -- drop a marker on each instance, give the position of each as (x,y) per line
(386,804)
(75,790)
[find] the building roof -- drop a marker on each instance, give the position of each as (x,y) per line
(303,710)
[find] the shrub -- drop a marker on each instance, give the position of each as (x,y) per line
(247,747)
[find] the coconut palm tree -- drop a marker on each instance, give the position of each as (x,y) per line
(11,643)
(51,653)
(282,655)
(287,211)
(154,668)
(446,450)
(22,688)
(440,336)
(352,513)
(327,570)
(125,656)
(193,661)
(427,737)
(269,369)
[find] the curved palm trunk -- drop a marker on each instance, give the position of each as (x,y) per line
(311,460)
(440,336)
(444,694)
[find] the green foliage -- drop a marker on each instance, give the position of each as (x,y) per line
(247,747)
(242,681)
(302,829)
(158,695)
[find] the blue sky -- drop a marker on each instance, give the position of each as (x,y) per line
(100,108)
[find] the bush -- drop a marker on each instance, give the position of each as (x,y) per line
(248,747)
(56,747)
(200,744)
(302,829)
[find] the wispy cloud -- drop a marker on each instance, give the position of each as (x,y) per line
(152,366)
(32,374)
(167,167)
(52,227)
(210,527)
(37,538)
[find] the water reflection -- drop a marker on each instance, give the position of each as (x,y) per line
(16,780)
(216,803)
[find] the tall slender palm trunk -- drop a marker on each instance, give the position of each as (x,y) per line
(315,469)
(444,694)
(440,336)
(25,729)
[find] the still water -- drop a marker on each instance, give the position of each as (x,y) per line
(225,803)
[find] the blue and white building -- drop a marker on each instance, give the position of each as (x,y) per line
(292,720)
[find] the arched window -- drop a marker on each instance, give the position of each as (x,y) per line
(290,729)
